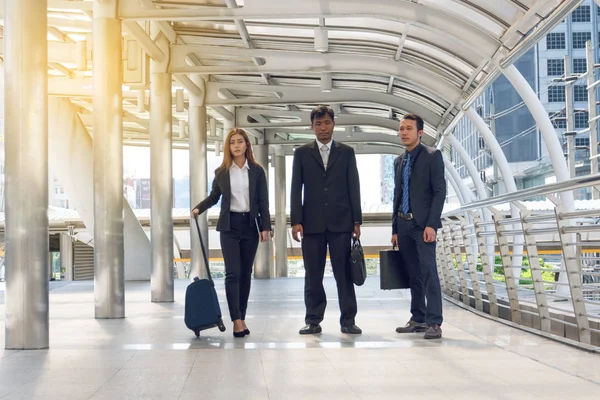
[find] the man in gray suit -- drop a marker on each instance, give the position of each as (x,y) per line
(419,195)
(328,214)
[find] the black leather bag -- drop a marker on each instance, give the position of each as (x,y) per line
(358,268)
(392,273)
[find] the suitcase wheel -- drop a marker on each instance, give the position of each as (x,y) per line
(197,332)
(221,325)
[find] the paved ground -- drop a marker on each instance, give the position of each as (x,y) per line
(151,355)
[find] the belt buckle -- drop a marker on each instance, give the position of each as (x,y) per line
(406,217)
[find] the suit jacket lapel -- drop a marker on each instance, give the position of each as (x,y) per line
(252,181)
(400,170)
(316,153)
(333,154)
(226,182)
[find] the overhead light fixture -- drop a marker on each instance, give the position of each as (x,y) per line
(321,39)
(326,82)
(217,148)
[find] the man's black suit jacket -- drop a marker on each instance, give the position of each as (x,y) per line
(427,188)
(331,198)
(259,198)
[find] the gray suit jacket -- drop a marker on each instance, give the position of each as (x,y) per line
(259,198)
(427,188)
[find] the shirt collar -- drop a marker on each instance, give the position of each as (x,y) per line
(414,152)
(245,166)
(320,145)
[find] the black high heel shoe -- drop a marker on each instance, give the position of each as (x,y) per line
(239,334)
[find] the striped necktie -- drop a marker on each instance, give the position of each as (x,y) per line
(406,185)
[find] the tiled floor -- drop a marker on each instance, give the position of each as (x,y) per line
(151,355)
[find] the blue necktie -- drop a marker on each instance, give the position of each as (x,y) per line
(406,184)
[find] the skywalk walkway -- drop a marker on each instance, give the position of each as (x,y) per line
(151,355)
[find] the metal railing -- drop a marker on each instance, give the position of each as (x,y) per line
(552,285)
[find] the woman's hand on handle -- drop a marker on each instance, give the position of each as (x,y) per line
(195,212)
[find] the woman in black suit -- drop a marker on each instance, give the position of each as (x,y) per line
(244,216)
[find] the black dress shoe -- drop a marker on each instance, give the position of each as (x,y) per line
(311,329)
(351,329)
(239,334)
(246,332)
(412,326)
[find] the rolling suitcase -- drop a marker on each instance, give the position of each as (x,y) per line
(202,309)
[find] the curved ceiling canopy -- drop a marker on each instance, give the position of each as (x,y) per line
(276,59)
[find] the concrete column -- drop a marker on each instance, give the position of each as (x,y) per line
(264,254)
(109,255)
(281,228)
(198,178)
(26,184)
(161,181)
(66,255)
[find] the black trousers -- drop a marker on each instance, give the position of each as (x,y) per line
(239,248)
(314,252)
(419,260)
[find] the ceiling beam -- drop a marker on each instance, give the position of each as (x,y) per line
(437,85)
(303,95)
(431,18)
(401,44)
(242,115)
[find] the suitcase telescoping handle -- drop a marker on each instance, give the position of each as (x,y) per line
(204,253)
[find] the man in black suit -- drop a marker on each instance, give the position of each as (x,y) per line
(329,214)
(419,195)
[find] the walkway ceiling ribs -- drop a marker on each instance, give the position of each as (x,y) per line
(384,57)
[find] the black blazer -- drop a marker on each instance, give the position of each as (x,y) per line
(331,198)
(259,198)
(427,188)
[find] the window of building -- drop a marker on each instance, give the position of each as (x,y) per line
(556,94)
(481,143)
(581,93)
(581,14)
(555,66)
(581,120)
(579,39)
(555,41)
(579,66)
(582,141)
(558,120)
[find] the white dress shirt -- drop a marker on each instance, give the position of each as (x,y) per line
(240,188)
(321,150)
